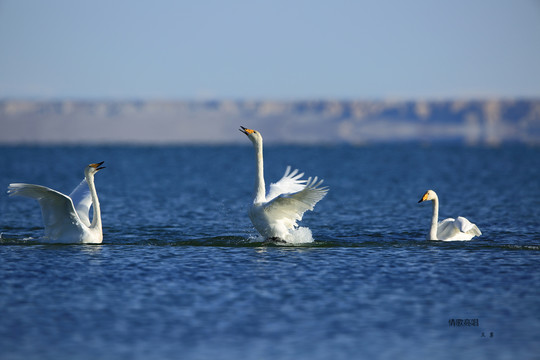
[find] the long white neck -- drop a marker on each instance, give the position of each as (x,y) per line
(96,219)
(260,188)
(434,219)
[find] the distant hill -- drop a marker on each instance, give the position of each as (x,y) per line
(324,121)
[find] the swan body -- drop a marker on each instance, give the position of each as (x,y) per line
(459,229)
(66,217)
(275,214)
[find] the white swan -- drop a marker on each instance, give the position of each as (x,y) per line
(448,229)
(275,215)
(66,217)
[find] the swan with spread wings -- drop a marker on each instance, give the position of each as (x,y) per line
(275,215)
(66,217)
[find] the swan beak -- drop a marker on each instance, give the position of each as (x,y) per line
(424,198)
(246,130)
(98,166)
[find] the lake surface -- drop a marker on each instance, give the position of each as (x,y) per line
(182,273)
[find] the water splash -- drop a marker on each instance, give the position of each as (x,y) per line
(297,236)
(300,235)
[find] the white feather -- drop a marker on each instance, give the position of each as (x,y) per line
(290,183)
(82,200)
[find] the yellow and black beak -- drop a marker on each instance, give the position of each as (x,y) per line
(246,130)
(424,198)
(98,166)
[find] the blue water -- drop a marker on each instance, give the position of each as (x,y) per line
(182,274)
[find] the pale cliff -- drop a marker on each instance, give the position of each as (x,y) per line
(324,121)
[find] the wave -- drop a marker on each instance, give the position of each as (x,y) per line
(366,241)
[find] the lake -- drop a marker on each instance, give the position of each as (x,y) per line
(183,274)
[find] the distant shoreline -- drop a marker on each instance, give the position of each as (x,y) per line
(172,122)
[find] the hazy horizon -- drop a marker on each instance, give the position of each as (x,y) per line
(306,122)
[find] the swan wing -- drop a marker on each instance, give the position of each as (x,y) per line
(292,206)
(58,212)
(82,200)
(446,229)
(290,183)
(457,229)
(465,226)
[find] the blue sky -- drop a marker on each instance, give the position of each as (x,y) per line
(279,49)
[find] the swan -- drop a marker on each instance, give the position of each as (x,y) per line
(275,215)
(66,217)
(448,229)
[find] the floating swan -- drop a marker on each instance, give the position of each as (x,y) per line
(448,229)
(275,215)
(66,217)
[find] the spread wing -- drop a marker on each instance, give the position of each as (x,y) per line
(292,206)
(82,200)
(57,209)
(289,183)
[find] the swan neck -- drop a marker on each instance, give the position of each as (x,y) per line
(434,220)
(259,180)
(96,220)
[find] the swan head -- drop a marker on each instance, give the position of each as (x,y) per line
(91,169)
(429,195)
(253,135)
